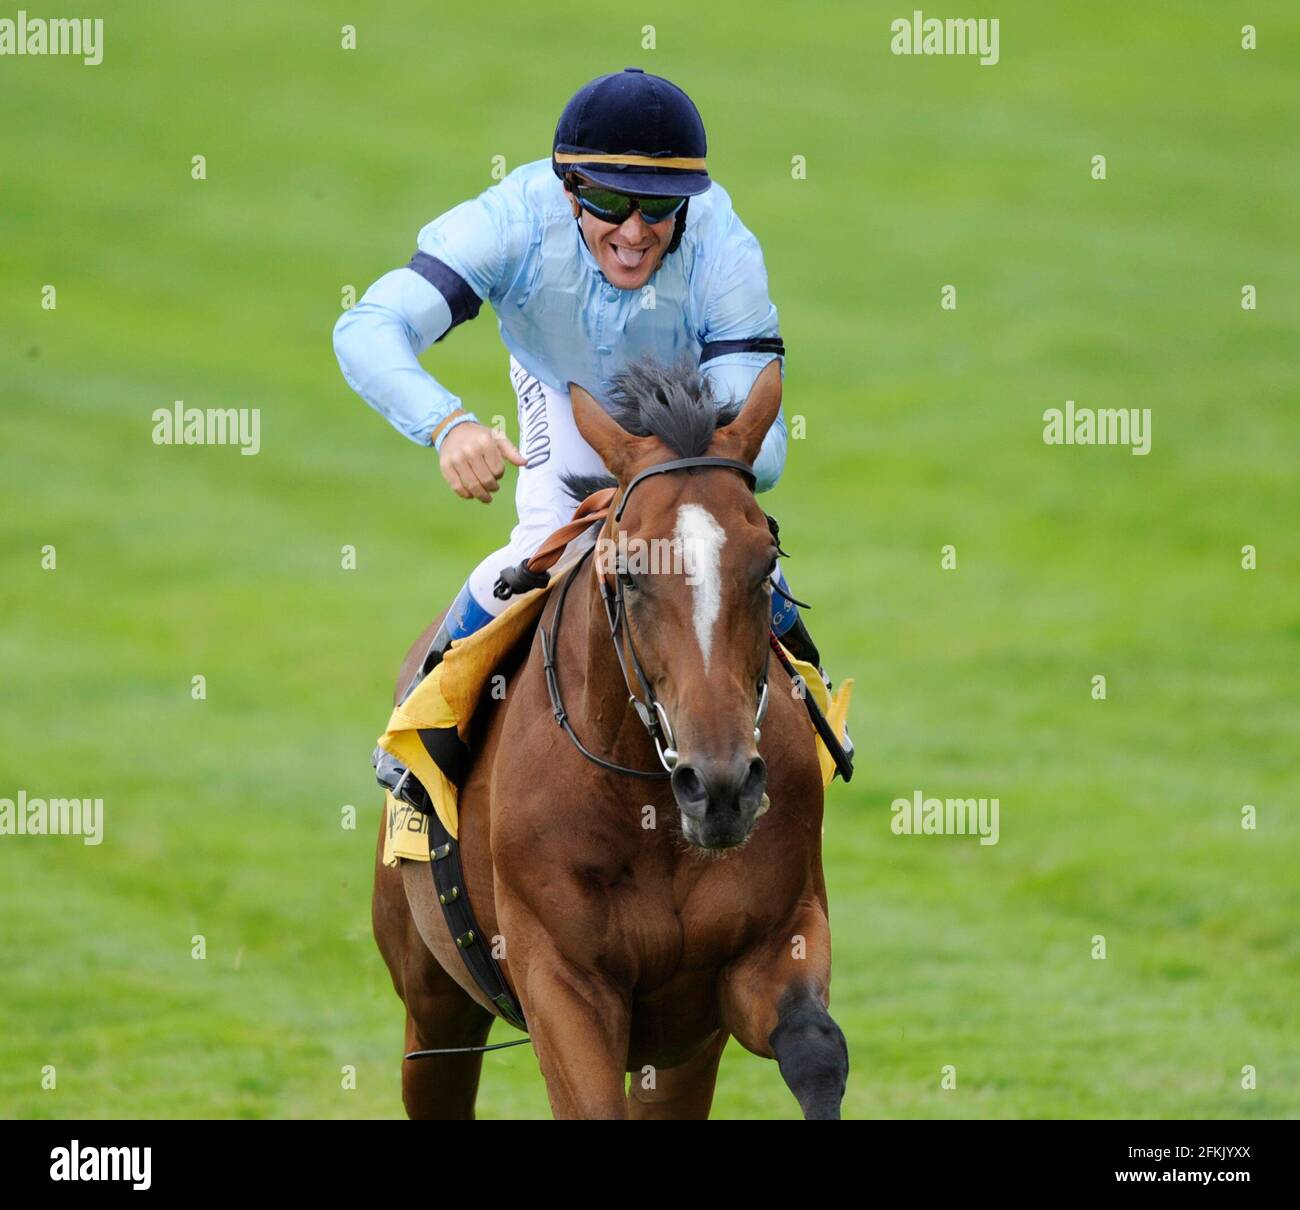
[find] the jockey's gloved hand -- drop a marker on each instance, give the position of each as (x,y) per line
(473,459)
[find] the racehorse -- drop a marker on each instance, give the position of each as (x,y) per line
(644,920)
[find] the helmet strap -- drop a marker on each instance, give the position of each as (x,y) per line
(679,227)
(570,179)
(577,218)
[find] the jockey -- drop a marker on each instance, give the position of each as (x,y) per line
(617,247)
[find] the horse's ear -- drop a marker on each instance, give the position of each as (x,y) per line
(743,437)
(601,431)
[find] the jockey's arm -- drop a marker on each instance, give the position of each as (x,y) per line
(461,258)
(733,379)
(738,312)
(377,343)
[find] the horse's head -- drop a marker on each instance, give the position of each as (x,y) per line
(692,555)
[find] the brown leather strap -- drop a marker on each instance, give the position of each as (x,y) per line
(446,420)
(594,508)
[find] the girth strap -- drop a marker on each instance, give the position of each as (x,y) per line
(449,887)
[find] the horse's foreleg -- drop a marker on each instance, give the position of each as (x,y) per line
(682,1093)
(579,1026)
(774,1002)
(811,1053)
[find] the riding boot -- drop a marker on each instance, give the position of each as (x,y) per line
(799,643)
(789,626)
(463,618)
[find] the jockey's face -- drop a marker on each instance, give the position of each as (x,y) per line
(627,253)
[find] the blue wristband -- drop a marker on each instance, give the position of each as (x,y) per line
(437,445)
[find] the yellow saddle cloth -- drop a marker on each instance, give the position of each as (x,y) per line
(449,695)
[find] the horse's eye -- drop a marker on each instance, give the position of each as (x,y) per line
(626,580)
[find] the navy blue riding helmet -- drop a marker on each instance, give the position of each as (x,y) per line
(637,134)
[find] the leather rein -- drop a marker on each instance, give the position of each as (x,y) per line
(648,708)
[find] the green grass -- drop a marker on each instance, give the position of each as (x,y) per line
(1119,817)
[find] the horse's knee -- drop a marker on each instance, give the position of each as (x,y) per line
(811,1052)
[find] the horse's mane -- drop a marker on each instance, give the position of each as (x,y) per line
(673,403)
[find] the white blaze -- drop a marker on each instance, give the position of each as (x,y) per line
(701,538)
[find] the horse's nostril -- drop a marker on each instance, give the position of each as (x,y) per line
(689,790)
(751,791)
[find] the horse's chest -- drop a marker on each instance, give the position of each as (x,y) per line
(658,924)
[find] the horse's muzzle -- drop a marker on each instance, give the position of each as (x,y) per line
(719,800)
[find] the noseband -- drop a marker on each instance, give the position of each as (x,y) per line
(648,708)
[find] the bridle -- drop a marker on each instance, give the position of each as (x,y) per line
(648,708)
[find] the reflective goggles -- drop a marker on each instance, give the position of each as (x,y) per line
(617,208)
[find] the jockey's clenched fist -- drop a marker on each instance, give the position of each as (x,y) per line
(473,459)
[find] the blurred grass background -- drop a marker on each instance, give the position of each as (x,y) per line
(923,428)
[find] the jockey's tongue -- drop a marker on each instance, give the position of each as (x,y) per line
(629,257)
